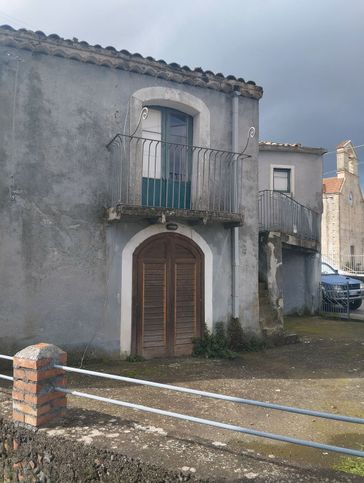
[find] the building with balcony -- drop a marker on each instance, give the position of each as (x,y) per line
(129,213)
(343,214)
(290,207)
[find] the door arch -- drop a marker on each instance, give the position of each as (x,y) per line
(168,296)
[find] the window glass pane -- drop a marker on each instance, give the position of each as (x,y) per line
(152,133)
(281,180)
(178,126)
(326,269)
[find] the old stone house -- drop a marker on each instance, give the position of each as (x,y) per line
(290,207)
(343,213)
(129,214)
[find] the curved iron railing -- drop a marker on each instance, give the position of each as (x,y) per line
(154,173)
(279,212)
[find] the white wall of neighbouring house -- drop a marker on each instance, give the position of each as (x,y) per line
(306,171)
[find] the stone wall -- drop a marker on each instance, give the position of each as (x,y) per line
(30,456)
(351,209)
(343,215)
(330,233)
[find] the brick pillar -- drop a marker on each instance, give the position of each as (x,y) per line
(35,402)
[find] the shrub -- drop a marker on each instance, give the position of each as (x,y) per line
(135,358)
(213,345)
(235,337)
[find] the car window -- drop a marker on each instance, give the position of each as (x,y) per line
(327,270)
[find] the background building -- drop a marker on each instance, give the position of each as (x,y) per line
(343,214)
(290,206)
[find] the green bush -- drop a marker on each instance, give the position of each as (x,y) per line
(235,337)
(253,344)
(226,345)
(135,358)
(213,345)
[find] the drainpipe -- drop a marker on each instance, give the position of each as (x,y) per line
(235,230)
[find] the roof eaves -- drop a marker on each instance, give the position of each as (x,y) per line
(53,44)
(287,147)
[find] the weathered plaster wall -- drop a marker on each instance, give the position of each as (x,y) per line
(301,275)
(307,175)
(249,232)
(58,261)
(270,274)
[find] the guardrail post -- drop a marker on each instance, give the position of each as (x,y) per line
(348,300)
(35,401)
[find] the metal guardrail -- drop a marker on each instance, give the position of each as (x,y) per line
(341,299)
(3,376)
(154,173)
(216,424)
(213,395)
(209,422)
(279,212)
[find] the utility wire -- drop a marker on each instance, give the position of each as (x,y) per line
(331,152)
(358,146)
(334,170)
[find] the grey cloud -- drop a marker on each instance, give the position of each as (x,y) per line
(308,56)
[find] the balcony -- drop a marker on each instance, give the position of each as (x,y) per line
(279,212)
(160,181)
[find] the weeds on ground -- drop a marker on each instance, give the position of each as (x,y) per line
(135,358)
(354,466)
(213,345)
(226,344)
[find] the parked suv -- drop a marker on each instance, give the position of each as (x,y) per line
(335,288)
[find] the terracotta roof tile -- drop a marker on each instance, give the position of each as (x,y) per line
(332,185)
(109,57)
(289,147)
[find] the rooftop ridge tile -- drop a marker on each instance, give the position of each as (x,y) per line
(109,56)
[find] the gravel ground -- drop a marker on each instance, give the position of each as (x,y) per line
(324,372)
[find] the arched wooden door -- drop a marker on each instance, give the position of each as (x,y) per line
(167,296)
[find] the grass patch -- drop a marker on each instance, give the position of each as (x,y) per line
(352,465)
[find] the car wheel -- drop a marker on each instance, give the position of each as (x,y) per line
(355,304)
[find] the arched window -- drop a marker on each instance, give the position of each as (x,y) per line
(167,158)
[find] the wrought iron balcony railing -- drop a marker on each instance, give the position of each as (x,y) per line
(279,212)
(151,173)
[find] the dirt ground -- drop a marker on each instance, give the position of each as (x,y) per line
(324,372)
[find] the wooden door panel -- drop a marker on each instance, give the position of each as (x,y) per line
(185,306)
(168,304)
(154,307)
